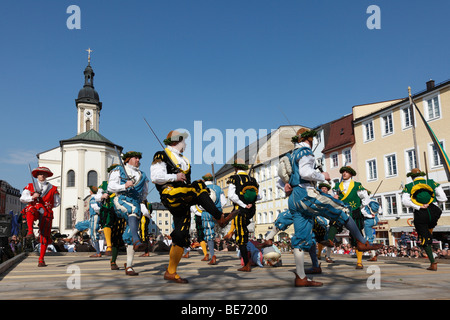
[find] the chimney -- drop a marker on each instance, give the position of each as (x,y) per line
(430,85)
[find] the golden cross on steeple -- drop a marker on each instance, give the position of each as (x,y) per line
(89,55)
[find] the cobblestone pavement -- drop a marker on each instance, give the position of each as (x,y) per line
(78,277)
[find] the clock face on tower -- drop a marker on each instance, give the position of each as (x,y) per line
(88,113)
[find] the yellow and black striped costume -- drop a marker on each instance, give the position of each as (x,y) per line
(243,182)
(179,196)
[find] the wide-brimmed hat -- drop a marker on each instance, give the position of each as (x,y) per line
(304,134)
(41,170)
(94,189)
(240,164)
(416,172)
(208,177)
(348,169)
(131,154)
(326,185)
(175,136)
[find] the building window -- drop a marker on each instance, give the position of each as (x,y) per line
(334,160)
(368,131)
(388,124)
(70,178)
(407,118)
(92,178)
(411,160)
(433,109)
(347,156)
(372,169)
(391,204)
(391,165)
(69,218)
(436,158)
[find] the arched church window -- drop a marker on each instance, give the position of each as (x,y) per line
(71,178)
(92,178)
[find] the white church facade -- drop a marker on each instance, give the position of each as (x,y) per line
(80,161)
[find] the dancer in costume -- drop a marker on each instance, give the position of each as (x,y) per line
(171,173)
(320,228)
(146,209)
(306,201)
(113,226)
(205,223)
(41,197)
(130,185)
(94,221)
(370,213)
(243,193)
(107,213)
(355,195)
(422,195)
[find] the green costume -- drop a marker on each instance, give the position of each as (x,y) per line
(352,198)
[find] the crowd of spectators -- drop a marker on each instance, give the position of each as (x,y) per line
(406,246)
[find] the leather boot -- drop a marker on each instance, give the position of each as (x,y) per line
(213,261)
(305,282)
(114,266)
(246,268)
(327,243)
(97,255)
(367,246)
(433,267)
(41,264)
(173,277)
(206,258)
(130,271)
(224,220)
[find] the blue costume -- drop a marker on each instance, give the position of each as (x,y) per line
(128,203)
(370,213)
(306,203)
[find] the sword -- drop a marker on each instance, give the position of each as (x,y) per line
(214,175)
(377,189)
(164,149)
(34,184)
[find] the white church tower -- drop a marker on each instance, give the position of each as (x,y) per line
(80,161)
(88,102)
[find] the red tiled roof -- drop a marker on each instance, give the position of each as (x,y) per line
(340,133)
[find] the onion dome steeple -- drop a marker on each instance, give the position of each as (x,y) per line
(88,94)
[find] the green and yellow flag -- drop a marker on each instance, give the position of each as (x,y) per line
(437,145)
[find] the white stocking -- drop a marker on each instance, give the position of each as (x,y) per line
(299,257)
(130,255)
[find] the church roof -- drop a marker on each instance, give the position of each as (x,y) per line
(90,136)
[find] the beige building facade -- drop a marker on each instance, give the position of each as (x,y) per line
(388,146)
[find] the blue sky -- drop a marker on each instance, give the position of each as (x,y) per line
(230,64)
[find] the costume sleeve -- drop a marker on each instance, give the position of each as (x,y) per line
(406,201)
(56,200)
(98,195)
(223,199)
(234,197)
(159,173)
(440,194)
(96,207)
(114,182)
(307,171)
(26,196)
(364,196)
